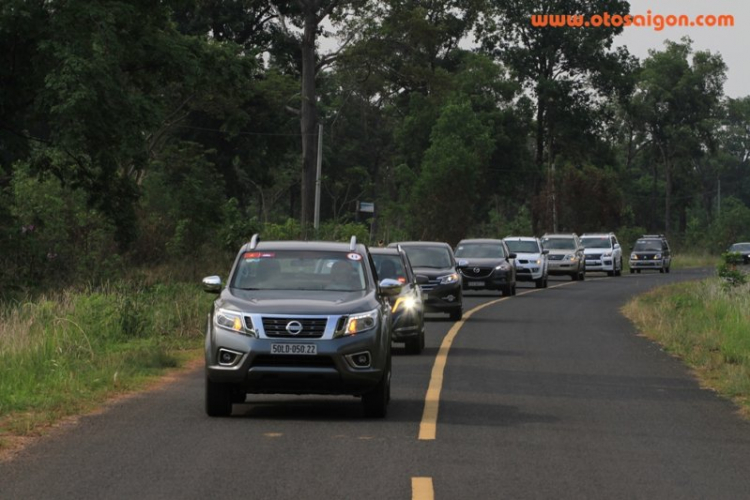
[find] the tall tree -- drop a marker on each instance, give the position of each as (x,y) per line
(678,101)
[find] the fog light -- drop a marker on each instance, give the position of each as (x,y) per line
(227,357)
(360,359)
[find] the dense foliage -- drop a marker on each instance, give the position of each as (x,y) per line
(143,132)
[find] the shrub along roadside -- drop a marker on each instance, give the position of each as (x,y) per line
(705,324)
(67,354)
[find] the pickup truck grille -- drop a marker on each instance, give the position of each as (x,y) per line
(312,328)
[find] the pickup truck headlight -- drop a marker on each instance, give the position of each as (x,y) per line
(633,256)
(657,256)
(232,321)
(359,323)
(448,279)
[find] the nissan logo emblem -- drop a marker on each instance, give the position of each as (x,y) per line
(294,327)
(476,270)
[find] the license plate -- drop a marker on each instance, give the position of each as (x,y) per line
(308,349)
(476,283)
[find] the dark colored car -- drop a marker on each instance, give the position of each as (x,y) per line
(299,317)
(407,307)
(743,249)
(435,260)
(651,252)
(486,264)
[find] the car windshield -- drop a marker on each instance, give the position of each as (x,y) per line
(647,246)
(740,247)
(559,243)
(299,270)
(480,251)
(389,267)
(596,242)
(423,256)
(522,246)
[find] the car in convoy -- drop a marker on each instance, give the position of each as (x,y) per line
(743,249)
(531,259)
(651,251)
(602,252)
(298,317)
(565,255)
(407,308)
(435,261)
(486,264)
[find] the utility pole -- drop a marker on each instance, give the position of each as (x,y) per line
(316,220)
(554,201)
(718,199)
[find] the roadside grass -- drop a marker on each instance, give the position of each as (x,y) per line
(684,260)
(691,260)
(707,325)
(66,354)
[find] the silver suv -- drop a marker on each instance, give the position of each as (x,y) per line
(603,253)
(299,317)
(565,255)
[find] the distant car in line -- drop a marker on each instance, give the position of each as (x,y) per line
(602,252)
(531,259)
(435,260)
(407,308)
(742,249)
(565,255)
(651,252)
(486,264)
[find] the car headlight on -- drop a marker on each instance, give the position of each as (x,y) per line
(407,303)
(448,279)
(537,262)
(359,323)
(503,267)
(633,256)
(232,320)
(570,257)
(657,256)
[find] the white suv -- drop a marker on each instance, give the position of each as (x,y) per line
(603,253)
(531,259)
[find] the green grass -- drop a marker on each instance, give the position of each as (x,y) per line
(689,260)
(66,354)
(705,324)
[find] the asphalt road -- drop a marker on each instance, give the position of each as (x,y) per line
(549,394)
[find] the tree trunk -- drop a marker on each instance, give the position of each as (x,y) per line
(308,119)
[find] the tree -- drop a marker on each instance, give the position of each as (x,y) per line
(677,101)
(451,174)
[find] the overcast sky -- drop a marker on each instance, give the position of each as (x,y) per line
(732,43)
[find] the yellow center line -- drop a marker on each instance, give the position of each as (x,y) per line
(428,426)
(421,488)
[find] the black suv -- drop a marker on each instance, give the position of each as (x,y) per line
(486,264)
(408,306)
(299,317)
(435,261)
(651,251)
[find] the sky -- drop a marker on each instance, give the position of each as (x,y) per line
(732,43)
